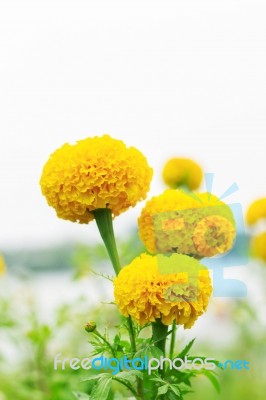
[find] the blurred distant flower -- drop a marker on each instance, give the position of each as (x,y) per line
(182,172)
(2,265)
(194,224)
(256,211)
(95,173)
(258,246)
(159,287)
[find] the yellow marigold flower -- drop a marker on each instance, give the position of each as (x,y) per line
(194,224)
(167,288)
(182,172)
(94,173)
(256,211)
(2,265)
(258,246)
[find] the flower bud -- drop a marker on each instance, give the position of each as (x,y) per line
(90,326)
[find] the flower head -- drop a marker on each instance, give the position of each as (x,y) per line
(182,172)
(167,288)
(94,173)
(194,224)
(258,246)
(256,211)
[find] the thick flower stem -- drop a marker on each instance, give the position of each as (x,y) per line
(133,350)
(104,221)
(172,343)
(131,335)
(159,333)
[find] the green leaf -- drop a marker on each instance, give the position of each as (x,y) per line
(120,345)
(150,350)
(186,391)
(172,396)
(163,389)
(116,340)
(185,377)
(81,396)
(102,388)
(129,376)
(156,352)
(124,346)
(213,379)
(159,380)
(186,349)
(176,390)
(96,377)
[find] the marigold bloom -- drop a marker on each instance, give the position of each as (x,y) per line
(194,224)
(258,246)
(167,288)
(94,173)
(182,172)
(256,211)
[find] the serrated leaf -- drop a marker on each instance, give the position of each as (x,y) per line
(81,396)
(129,376)
(156,352)
(176,390)
(213,379)
(151,351)
(159,380)
(96,377)
(163,389)
(186,349)
(101,389)
(172,396)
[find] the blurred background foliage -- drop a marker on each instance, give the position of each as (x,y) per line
(30,338)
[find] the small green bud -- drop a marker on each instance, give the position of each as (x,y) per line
(90,326)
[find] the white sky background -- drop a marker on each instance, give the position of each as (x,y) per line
(173,78)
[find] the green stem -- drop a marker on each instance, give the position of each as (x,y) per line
(159,334)
(172,344)
(131,332)
(131,335)
(105,341)
(104,221)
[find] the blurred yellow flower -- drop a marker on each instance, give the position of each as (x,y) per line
(258,246)
(256,211)
(194,224)
(2,265)
(167,288)
(182,172)
(95,173)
